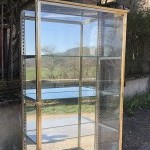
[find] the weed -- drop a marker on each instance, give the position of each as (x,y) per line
(131,105)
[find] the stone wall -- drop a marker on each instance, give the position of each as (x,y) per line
(137,86)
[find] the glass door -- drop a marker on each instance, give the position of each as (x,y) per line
(110,77)
(68,65)
(60,85)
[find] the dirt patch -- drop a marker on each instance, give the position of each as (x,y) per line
(48,116)
(136,131)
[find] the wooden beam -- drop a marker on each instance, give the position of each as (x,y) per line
(122,79)
(88,7)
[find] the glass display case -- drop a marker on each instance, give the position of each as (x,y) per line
(73,59)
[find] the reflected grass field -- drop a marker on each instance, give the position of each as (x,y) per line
(63,109)
(60,72)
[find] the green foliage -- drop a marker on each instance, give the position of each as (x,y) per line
(138,34)
(131,105)
(30,73)
(63,109)
(63,68)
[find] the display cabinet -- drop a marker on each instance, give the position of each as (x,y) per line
(73,60)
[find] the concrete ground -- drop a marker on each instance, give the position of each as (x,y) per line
(10,127)
(136,135)
(87,142)
(11,132)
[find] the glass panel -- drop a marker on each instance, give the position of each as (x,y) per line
(109,77)
(112,35)
(89,63)
(60,82)
(58,41)
(60,102)
(67,12)
(29,78)
(30,125)
(90,34)
(88,102)
(69,40)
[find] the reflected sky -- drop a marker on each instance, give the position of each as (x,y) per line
(59,36)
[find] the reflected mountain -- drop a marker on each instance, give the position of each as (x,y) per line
(87,51)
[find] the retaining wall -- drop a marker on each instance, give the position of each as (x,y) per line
(137,86)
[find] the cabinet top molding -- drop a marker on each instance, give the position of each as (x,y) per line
(79,5)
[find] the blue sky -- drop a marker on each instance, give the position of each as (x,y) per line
(59,35)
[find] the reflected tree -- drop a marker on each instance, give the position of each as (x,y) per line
(48,61)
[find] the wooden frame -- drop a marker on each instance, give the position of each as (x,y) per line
(84,6)
(122,79)
(38,75)
(92,7)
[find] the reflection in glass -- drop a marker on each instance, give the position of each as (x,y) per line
(62,73)
(109,77)
(80,67)
(31,125)
(60,81)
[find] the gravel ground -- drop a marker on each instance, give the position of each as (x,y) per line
(136,134)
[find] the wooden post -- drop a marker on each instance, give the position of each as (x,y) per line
(122,79)
(38,76)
